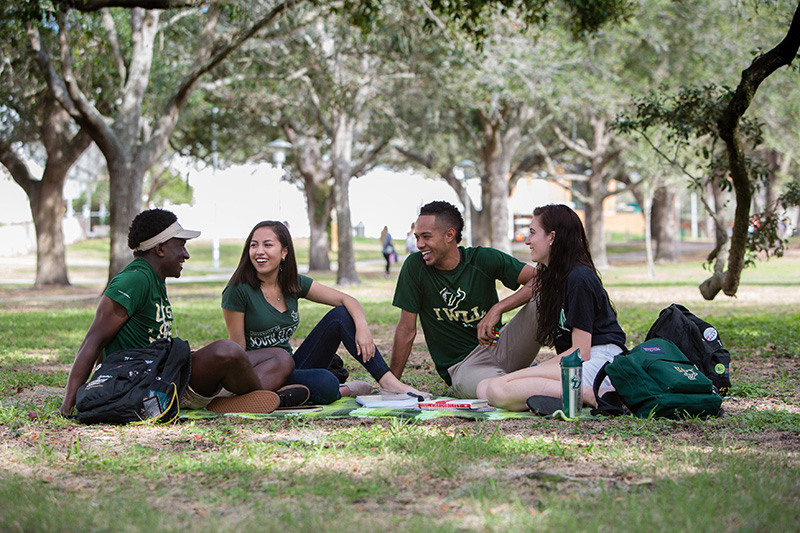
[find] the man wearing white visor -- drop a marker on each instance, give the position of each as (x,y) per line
(135,311)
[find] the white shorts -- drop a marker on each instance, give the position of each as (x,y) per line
(600,355)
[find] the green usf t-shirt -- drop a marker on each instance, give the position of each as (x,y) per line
(265,326)
(143,294)
(450,303)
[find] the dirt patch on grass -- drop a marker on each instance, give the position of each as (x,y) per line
(761,420)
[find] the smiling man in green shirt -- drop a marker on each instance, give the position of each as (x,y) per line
(453,291)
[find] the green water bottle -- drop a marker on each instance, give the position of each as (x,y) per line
(571,384)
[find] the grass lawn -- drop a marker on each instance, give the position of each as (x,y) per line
(734,473)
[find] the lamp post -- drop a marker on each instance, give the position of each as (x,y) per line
(466,167)
(279,158)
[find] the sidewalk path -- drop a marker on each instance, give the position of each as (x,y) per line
(21,270)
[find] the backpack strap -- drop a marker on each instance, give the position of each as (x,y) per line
(604,407)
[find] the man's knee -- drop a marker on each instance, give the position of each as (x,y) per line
(284,362)
(465,388)
(222,354)
(276,359)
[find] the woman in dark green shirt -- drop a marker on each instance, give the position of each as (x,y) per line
(261,312)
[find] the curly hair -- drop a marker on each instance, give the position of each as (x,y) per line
(445,213)
(570,248)
(147,225)
(245,272)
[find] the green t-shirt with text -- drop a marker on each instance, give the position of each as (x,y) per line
(450,303)
(143,294)
(265,326)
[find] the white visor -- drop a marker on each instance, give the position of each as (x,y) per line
(171,232)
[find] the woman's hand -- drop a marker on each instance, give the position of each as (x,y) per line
(365,345)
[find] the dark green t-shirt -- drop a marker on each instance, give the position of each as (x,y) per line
(143,294)
(450,303)
(265,326)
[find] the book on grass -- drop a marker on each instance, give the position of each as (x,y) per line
(389,401)
(447,404)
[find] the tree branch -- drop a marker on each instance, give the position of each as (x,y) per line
(369,158)
(116,50)
(96,5)
(169,117)
(17,168)
(578,147)
(783,54)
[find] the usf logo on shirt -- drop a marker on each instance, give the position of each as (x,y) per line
(164,318)
(450,313)
(452,300)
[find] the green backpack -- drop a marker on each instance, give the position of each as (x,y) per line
(656,379)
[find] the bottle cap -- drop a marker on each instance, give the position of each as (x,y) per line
(573,359)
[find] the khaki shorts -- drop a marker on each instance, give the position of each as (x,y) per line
(193,400)
(516,348)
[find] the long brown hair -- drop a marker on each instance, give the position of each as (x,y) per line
(570,248)
(245,272)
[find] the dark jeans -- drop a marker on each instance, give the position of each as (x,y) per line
(314,355)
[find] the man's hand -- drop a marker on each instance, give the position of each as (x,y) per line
(486,325)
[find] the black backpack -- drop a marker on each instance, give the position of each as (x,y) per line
(698,340)
(137,384)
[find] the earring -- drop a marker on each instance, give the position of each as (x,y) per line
(281,267)
(551,243)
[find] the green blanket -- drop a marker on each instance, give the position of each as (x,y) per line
(348,408)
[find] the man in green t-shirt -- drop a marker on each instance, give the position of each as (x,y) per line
(453,290)
(135,310)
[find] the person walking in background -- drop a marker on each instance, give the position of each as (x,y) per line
(574,313)
(388,248)
(260,307)
(411,240)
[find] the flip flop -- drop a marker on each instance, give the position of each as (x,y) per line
(543,405)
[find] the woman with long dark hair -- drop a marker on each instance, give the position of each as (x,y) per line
(575,313)
(261,312)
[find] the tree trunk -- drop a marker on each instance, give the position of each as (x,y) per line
(319,217)
(45,200)
(664,225)
(125,202)
(342,165)
(315,173)
(481,223)
(130,148)
(45,196)
(761,68)
(595,232)
(48,215)
(499,213)
(501,137)
(647,210)
(346,272)
(602,156)
(719,255)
